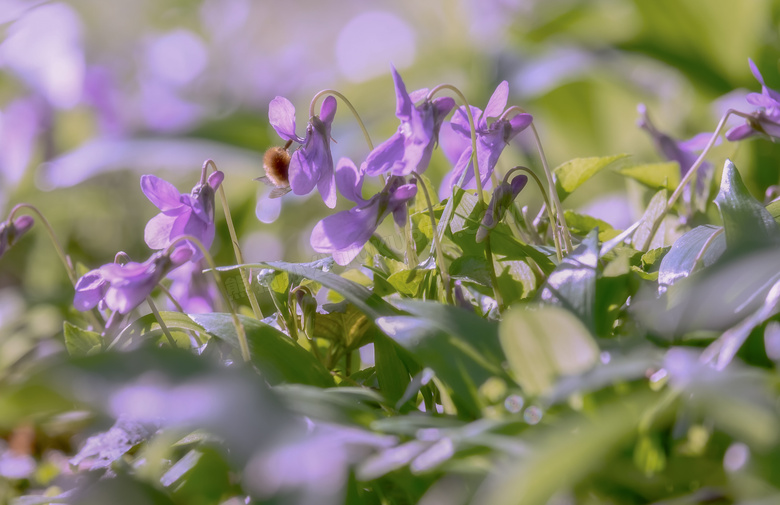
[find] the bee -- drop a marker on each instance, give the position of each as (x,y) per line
(276,162)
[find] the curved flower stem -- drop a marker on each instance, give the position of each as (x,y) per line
(57,246)
(550,214)
(691,172)
(242,341)
(160,321)
(474,161)
(344,99)
(236,248)
(560,225)
(445,279)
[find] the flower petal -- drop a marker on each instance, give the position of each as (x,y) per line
(349,180)
(215,179)
(386,156)
(404,104)
(157,233)
(328,109)
(497,102)
(760,100)
(281,115)
(740,132)
(345,232)
(301,175)
(90,289)
(161,193)
(698,142)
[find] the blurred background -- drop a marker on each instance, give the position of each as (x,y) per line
(93,94)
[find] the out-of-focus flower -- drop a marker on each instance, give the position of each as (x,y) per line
(20,123)
(410,148)
(123,287)
(10,231)
(312,163)
(673,150)
(765,120)
(492,137)
(194,291)
(502,199)
(345,233)
(183,214)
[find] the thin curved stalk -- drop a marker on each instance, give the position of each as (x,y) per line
(344,99)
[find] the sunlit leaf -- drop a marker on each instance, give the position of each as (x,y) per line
(698,248)
(657,176)
(646,236)
(81,342)
(574,173)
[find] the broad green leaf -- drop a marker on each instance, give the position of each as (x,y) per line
(274,353)
(580,224)
(147,327)
(391,372)
(370,303)
(748,225)
(658,176)
(646,236)
(544,343)
(573,283)
(407,282)
(81,342)
(574,173)
(348,326)
(470,269)
(700,247)
(516,280)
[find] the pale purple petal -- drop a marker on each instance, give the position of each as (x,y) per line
(345,231)
(90,289)
(497,102)
(756,72)
(161,193)
(517,124)
(215,179)
(418,94)
(698,142)
(404,104)
(349,180)
(281,115)
(301,176)
(328,109)
(761,100)
(386,156)
(326,185)
(452,143)
(158,231)
(740,132)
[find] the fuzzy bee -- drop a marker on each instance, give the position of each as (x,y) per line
(276,162)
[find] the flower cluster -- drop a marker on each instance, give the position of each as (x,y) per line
(408,151)
(766,119)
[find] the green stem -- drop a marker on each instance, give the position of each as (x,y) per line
(242,341)
(344,99)
(57,246)
(492,272)
(474,161)
(160,321)
(236,248)
(411,253)
(445,279)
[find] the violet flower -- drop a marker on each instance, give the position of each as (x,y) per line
(455,139)
(312,163)
(123,287)
(182,214)
(345,233)
(11,231)
(192,289)
(410,148)
(502,199)
(683,152)
(765,120)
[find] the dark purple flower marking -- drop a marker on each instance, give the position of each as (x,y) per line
(765,120)
(312,163)
(683,152)
(345,233)
(123,287)
(492,137)
(11,231)
(181,214)
(410,148)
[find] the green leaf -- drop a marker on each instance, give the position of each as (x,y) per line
(516,280)
(701,247)
(574,173)
(657,176)
(581,224)
(391,372)
(544,343)
(146,327)
(348,327)
(81,342)
(645,236)
(471,269)
(370,303)
(747,223)
(573,284)
(274,353)
(407,282)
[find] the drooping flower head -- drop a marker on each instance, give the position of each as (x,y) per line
(410,148)
(11,231)
(123,287)
(683,152)
(503,196)
(492,137)
(312,163)
(766,119)
(181,214)
(345,233)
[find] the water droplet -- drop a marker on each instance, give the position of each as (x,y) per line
(514,403)
(532,415)
(736,456)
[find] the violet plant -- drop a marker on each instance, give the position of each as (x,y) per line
(511,358)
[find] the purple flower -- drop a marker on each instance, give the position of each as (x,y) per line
(410,148)
(123,287)
(492,137)
(10,231)
(683,152)
(765,120)
(181,214)
(312,163)
(502,199)
(345,233)
(192,289)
